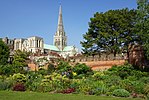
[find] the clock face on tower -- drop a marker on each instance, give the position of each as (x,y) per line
(25,45)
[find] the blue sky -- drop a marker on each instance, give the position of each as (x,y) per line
(25,18)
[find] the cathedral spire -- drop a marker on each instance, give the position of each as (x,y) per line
(60,27)
(60,40)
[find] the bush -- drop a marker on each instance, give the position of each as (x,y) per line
(69,90)
(4,85)
(123,71)
(19,87)
(21,78)
(6,70)
(121,93)
(33,81)
(133,86)
(82,69)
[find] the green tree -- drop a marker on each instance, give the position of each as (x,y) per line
(19,60)
(4,53)
(110,32)
(142,25)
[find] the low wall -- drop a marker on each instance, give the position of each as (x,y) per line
(103,65)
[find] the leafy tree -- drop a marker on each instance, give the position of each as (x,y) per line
(110,32)
(4,53)
(19,60)
(142,25)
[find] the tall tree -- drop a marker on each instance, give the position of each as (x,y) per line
(109,31)
(142,25)
(4,53)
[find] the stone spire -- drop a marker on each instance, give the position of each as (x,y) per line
(60,38)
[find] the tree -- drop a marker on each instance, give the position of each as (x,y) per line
(109,32)
(142,24)
(4,53)
(19,60)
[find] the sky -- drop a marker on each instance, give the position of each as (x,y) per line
(26,18)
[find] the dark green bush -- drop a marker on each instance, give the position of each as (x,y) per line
(121,93)
(82,69)
(123,71)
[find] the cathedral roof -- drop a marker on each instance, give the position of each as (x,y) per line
(68,48)
(51,47)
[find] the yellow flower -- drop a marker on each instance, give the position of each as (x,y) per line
(74,74)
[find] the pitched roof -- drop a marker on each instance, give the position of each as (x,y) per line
(51,47)
(68,48)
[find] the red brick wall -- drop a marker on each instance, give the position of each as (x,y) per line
(103,65)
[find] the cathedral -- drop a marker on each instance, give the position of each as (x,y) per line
(36,44)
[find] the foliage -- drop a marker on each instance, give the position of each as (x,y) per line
(33,81)
(19,61)
(19,87)
(5,84)
(51,68)
(91,87)
(4,53)
(82,69)
(64,69)
(6,69)
(123,70)
(54,82)
(142,24)
(146,89)
(110,32)
(69,90)
(19,78)
(121,93)
(98,76)
(133,86)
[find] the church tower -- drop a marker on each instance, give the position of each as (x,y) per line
(60,39)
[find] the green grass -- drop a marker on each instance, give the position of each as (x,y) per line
(9,95)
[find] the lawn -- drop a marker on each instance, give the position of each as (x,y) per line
(9,95)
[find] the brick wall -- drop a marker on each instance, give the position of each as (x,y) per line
(103,65)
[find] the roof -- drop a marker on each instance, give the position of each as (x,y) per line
(51,47)
(68,48)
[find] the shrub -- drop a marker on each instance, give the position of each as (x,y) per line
(121,93)
(98,75)
(6,69)
(113,81)
(19,87)
(4,85)
(144,80)
(33,81)
(82,69)
(133,86)
(21,78)
(69,90)
(64,69)
(123,71)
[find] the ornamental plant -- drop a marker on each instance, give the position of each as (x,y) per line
(121,93)
(19,87)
